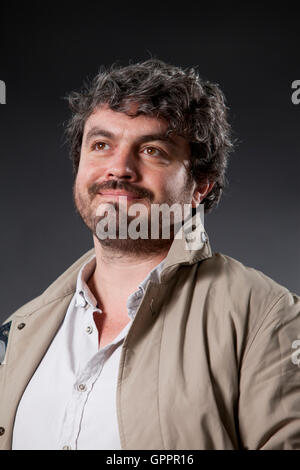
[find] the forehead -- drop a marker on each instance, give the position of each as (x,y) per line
(119,123)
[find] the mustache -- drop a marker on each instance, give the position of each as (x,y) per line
(95,188)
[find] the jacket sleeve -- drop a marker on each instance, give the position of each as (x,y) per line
(269,398)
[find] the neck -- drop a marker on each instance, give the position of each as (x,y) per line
(117,275)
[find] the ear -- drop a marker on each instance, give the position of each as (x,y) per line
(201,191)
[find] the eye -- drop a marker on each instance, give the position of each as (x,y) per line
(100,146)
(152,152)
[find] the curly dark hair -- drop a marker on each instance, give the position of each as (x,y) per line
(193,107)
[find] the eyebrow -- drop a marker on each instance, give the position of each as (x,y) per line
(97,132)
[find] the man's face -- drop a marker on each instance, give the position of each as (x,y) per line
(131,157)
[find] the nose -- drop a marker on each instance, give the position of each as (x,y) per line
(122,166)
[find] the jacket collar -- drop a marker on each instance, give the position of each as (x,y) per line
(191,245)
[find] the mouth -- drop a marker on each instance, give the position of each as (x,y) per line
(117,194)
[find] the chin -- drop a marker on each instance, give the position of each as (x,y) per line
(135,247)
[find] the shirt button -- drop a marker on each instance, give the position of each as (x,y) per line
(2,431)
(66,448)
(89,329)
(82,387)
(21,326)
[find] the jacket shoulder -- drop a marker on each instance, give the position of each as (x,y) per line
(250,299)
(64,285)
(240,278)
(245,293)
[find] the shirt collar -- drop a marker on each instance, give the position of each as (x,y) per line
(85,298)
(83,295)
(134,299)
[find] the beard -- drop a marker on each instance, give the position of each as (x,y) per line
(131,235)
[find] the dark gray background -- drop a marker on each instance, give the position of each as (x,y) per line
(47,51)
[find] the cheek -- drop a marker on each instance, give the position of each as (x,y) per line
(88,169)
(82,183)
(79,182)
(182,192)
(86,175)
(176,183)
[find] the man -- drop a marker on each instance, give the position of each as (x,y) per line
(151,342)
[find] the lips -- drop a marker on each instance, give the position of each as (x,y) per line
(120,193)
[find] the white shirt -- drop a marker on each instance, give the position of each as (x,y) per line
(70,402)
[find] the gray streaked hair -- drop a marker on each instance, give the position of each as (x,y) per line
(194,108)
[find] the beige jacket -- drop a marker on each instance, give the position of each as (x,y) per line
(210,361)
